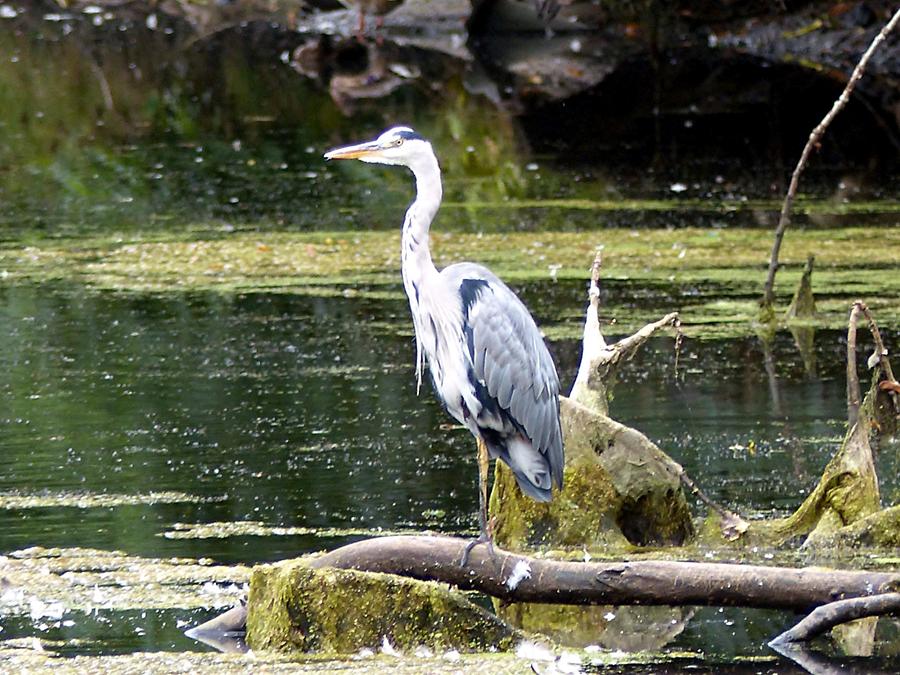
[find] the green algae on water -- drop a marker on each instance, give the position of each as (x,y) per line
(712,276)
(252,528)
(93,500)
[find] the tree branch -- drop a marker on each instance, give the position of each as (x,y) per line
(853,393)
(599,361)
(813,141)
(833,614)
(732,525)
(646,582)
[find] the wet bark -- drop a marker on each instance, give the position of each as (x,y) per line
(615,583)
(826,617)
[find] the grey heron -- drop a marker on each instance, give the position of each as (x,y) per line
(488,362)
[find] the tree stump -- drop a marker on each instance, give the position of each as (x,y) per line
(619,489)
(293,607)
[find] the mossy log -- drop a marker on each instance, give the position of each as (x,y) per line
(295,607)
(620,488)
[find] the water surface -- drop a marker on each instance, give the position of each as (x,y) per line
(296,414)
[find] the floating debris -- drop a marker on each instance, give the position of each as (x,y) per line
(255,528)
(52,582)
(94,500)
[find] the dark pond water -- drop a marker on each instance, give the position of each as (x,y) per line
(301,411)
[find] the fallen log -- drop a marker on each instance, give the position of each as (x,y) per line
(517,578)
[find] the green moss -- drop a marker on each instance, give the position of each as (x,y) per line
(22,656)
(618,488)
(293,608)
(93,500)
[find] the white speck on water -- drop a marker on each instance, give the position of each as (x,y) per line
(7,12)
(51,610)
(532,651)
(531,166)
(677,187)
(609,616)
(451,655)
(387,648)
(152,21)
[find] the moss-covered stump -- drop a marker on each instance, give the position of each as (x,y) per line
(878,530)
(294,608)
(619,489)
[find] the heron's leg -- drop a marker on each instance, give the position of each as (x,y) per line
(486,536)
(484,464)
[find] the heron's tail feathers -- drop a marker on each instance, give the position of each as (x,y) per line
(530,467)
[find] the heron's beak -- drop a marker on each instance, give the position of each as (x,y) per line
(361,151)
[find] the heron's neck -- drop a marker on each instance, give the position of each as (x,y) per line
(416,254)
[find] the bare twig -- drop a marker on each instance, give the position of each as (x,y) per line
(732,526)
(828,616)
(814,138)
(890,385)
(880,349)
(853,394)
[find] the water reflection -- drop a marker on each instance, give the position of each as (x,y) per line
(276,408)
(300,411)
(130,125)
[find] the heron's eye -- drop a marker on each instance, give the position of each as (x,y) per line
(398,141)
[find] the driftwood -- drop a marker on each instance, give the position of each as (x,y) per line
(597,371)
(826,617)
(516,578)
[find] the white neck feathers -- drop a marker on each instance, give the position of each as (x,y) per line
(416,264)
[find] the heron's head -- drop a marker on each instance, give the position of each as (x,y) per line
(398,146)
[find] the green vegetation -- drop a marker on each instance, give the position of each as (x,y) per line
(82,579)
(88,500)
(292,607)
(712,276)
